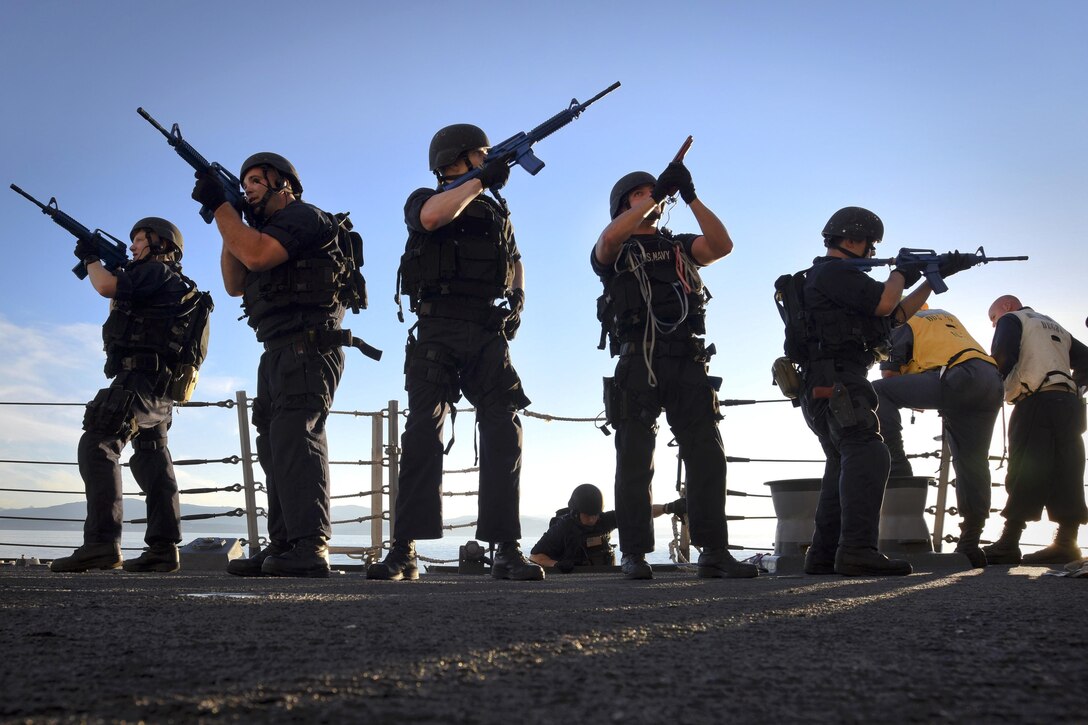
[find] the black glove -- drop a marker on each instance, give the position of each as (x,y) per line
(494,173)
(516,300)
(209,191)
(675,177)
(565,565)
(679,507)
(85,252)
(908,266)
(954,262)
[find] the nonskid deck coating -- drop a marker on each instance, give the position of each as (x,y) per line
(988,645)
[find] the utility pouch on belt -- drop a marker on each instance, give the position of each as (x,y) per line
(611,401)
(840,404)
(183,383)
(784,374)
(110,413)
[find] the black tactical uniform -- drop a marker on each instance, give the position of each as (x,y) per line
(568,541)
(668,372)
(146,343)
(135,407)
(295,310)
(454,274)
(839,300)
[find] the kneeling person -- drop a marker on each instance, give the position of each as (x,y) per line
(580,534)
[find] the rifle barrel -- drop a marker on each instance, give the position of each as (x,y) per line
(602,94)
(147,117)
(28,196)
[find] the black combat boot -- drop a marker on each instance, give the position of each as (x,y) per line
(1062,551)
(866,561)
(510,564)
(817,564)
(309,557)
(970,530)
(635,566)
(718,563)
(399,563)
(1006,550)
(252,565)
(157,557)
(89,556)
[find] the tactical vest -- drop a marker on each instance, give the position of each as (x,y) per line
(1044,357)
(313,280)
(940,340)
(472,256)
(150,337)
(652,274)
(844,335)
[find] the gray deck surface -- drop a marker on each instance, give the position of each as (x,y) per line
(993,645)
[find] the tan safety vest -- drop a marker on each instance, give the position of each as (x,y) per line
(1044,357)
(940,340)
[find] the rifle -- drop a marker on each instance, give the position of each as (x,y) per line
(683,150)
(928,262)
(518,149)
(112,254)
(191,156)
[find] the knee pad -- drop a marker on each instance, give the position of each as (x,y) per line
(110,413)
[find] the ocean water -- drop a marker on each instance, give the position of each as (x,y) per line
(51,544)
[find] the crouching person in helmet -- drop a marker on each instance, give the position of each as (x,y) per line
(280,265)
(653,311)
(146,295)
(580,534)
(463,274)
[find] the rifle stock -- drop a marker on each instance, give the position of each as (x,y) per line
(231,185)
(112,252)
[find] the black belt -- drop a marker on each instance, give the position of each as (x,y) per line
(144,361)
(321,340)
(693,348)
(482,312)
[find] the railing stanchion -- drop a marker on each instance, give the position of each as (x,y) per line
(376,484)
(394,461)
(942,492)
(247,473)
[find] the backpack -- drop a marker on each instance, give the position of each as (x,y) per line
(189,335)
(352,291)
(789,297)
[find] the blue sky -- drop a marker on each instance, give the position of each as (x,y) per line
(961,124)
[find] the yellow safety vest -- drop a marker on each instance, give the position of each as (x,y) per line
(941,340)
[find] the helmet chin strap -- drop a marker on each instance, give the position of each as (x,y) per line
(870,250)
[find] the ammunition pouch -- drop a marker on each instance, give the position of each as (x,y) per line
(183,383)
(787,377)
(110,414)
(620,406)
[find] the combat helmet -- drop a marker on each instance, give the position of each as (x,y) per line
(164,229)
(277,162)
(452,141)
(854,222)
(625,186)
(586,499)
